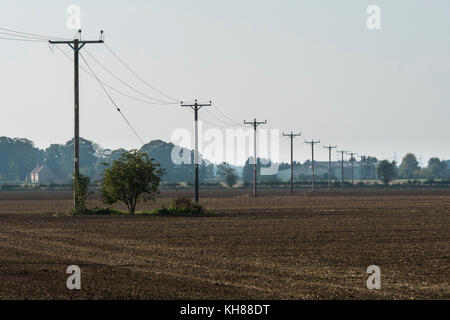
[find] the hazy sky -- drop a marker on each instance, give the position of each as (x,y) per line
(304,65)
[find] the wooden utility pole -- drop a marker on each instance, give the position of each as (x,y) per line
(77,45)
(329,164)
(255,125)
(196,107)
(312,143)
(342,152)
(362,170)
(352,160)
(292,136)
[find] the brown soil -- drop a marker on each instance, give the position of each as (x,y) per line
(307,246)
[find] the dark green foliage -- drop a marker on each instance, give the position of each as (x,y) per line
(228,173)
(181,206)
(162,153)
(18,157)
(436,169)
(59,158)
(81,186)
(223,169)
(131,178)
(96,212)
(409,168)
(231,179)
(386,171)
(248,170)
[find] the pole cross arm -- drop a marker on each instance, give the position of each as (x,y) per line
(292,135)
(255,123)
(196,105)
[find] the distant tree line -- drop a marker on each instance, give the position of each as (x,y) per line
(436,169)
(18,157)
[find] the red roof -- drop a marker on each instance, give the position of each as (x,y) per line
(37,170)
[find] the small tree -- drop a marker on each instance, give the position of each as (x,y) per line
(409,166)
(231,178)
(386,171)
(132,177)
(222,169)
(436,169)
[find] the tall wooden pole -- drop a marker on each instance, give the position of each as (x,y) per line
(342,152)
(312,143)
(329,164)
(77,45)
(255,125)
(292,136)
(196,107)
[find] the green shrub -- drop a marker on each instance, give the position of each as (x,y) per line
(80,184)
(131,178)
(181,205)
(95,212)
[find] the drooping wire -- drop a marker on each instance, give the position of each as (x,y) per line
(17,36)
(111,87)
(139,77)
(25,40)
(23,34)
(126,84)
(112,101)
(223,114)
(223,122)
(212,123)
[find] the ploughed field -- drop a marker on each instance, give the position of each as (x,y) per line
(307,246)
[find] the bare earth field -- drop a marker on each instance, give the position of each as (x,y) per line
(307,246)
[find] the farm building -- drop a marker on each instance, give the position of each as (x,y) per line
(43,174)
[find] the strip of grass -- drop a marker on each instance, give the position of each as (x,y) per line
(97,211)
(180,207)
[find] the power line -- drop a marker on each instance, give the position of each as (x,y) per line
(223,122)
(44,37)
(139,77)
(112,101)
(126,84)
(234,122)
(212,123)
(25,40)
(111,87)
(21,36)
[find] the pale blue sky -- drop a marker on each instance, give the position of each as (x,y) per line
(302,65)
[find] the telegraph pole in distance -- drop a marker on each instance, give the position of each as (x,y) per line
(329,164)
(196,107)
(292,136)
(352,160)
(77,45)
(342,152)
(361,168)
(255,125)
(312,143)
